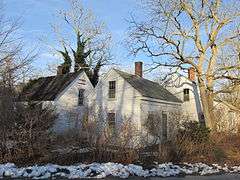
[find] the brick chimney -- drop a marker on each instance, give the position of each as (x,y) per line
(138,68)
(60,70)
(191,74)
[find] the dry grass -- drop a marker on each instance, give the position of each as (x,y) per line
(222,148)
(195,143)
(192,143)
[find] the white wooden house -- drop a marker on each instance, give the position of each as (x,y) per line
(117,98)
(121,96)
(186,89)
(68,93)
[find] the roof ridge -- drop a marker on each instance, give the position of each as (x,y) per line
(57,75)
(47,88)
(148,88)
(136,76)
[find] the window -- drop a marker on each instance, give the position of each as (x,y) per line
(80,97)
(111,121)
(164,125)
(150,116)
(201,115)
(186,95)
(112,89)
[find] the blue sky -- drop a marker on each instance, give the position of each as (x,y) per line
(37,16)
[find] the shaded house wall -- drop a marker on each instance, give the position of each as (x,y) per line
(227,120)
(157,107)
(66,103)
(191,108)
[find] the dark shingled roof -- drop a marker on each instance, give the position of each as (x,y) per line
(46,88)
(148,88)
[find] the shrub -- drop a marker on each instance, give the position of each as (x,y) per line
(219,154)
(191,140)
(118,145)
(24,128)
(194,132)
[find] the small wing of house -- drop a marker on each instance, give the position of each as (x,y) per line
(51,88)
(186,89)
(69,93)
(47,88)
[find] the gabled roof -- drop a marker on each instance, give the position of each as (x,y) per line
(148,88)
(47,88)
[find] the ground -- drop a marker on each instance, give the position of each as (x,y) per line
(213,177)
(109,170)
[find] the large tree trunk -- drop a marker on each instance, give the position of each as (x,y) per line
(210,98)
(207,106)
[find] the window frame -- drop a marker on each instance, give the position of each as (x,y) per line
(111,89)
(186,94)
(111,120)
(81,97)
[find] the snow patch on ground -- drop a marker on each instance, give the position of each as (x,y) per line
(102,170)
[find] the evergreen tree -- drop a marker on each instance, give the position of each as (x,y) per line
(67,60)
(92,50)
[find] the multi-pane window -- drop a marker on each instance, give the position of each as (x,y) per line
(112,89)
(164,125)
(186,95)
(80,97)
(111,121)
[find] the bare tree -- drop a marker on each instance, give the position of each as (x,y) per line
(14,61)
(15,65)
(229,72)
(182,33)
(91,49)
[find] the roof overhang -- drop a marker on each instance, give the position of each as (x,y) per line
(154,100)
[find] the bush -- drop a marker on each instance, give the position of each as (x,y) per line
(219,154)
(24,128)
(118,145)
(194,132)
(192,140)
(196,143)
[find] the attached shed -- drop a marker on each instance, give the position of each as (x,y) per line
(68,93)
